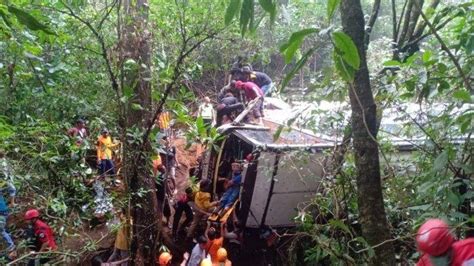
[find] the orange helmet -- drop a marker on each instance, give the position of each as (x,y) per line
(30,214)
(206,262)
(434,237)
(221,255)
(164,259)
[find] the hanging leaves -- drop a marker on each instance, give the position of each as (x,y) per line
(296,68)
(346,48)
(270,7)
(346,56)
(29,21)
(331,8)
(289,48)
(231,11)
(246,16)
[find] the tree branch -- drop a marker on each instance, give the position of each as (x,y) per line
(467,83)
(101,41)
(370,24)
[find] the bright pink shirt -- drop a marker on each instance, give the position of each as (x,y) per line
(251,90)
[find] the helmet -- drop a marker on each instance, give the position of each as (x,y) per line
(30,214)
(221,255)
(238,84)
(206,262)
(434,237)
(164,258)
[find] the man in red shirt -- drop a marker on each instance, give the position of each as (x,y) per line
(438,246)
(42,235)
(252,91)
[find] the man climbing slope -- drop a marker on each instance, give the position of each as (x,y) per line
(252,91)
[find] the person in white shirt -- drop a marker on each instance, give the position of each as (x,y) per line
(199,252)
(206,111)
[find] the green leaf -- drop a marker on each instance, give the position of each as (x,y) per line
(5,18)
(270,7)
(289,48)
(232,9)
(296,68)
(426,56)
(277,134)
(462,95)
(331,8)
(441,161)
(345,71)
(246,16)
(453,199)
(28,20)
(339,224)
(391,63)
(347,49)
(136,106)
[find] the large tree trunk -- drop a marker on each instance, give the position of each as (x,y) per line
(143,204)
(375,227)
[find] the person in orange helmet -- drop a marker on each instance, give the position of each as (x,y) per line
(222,258)
(164,259)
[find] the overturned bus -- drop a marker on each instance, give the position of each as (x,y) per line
(278,175)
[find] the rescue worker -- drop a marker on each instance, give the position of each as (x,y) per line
(104,154)
(438,246)
(261,79)
(164,123)
(199,252)
(122,240)
(206,262)
(206,111)
(216,240)
(42,235)
(164,259)
(252,91)
(180,207)
(233,190)
(202,200)
(222,258)
(226,107)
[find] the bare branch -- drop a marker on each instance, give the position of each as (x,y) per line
(370,24)
(455,61)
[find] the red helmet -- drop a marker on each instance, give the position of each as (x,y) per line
(434,237)
(239,84)
(30,214)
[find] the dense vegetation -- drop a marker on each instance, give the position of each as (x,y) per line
(119,63)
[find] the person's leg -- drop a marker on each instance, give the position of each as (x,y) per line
(124,255)
(189,215)
(114,255)
(177,216)
(110,168)
(102,165)
(6,236)
(197,218)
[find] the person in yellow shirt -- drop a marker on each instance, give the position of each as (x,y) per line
(104,154)
(122,241)
(202,200)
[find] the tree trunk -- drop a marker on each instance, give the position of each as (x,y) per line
(137,170)
(375,227)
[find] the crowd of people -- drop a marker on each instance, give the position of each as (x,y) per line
(244,85)
(202,224)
